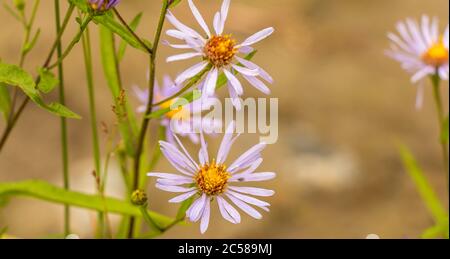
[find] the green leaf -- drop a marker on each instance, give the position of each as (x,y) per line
(181,214)
(16,76)
(123,45)
(47,81)
(108,21)
(437,231)
(5,101)
(45,191)
(30,45)
(174,3)
(444,135)
(424,188)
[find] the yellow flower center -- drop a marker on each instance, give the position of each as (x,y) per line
(178,113)
(437,55)
(220,50)
(212,178)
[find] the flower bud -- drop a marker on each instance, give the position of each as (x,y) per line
(139,198)
(19,4)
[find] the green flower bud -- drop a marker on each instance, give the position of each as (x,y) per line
(19,4)
(139,198)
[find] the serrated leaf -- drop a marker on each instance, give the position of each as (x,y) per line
(47,81)
(48,192)
(5,101)
(123,44)
(424,188)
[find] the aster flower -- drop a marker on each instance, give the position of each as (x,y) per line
(218,51)
(421,50)
(211,180)
(103,5)
(187,120)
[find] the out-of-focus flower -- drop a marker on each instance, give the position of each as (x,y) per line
(186,120)
(421,50)
(103,5)
(218,51)
(210,179)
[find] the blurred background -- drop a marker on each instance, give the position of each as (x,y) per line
(343,104)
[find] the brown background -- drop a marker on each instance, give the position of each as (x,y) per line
(343,104)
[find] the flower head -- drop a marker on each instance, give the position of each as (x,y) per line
(211,180)
(219,52)
(187,120)
(103,5)
(421,50)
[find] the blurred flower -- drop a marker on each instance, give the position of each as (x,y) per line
(219,51)
(211,179)
(421,50)
(103,5)
(186,120)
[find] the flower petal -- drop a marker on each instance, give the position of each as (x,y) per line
(183,56)
(167,176)
(252,65)
(183,28)
(224,15)
(183,197)
(195,211)
(245,207)
(211,82)
(228,212)
(169,188)
(259,36)
(258,84)
(190,72)
(234,82)
(226,143)
(205,217)
(252,191)
(248,157)
(258,177)
(246,71)
(199,18)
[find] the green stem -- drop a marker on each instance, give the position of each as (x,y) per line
(87,53)
(72,44)
(64,141)
(12,122)
(138,39)
(441,119)
(145,123)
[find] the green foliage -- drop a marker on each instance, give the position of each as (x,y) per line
(5,101)
(109,22)
(181,214)
(47,81)
(123,44)
(45,191)
(16,76)
(424,188)
(30,45)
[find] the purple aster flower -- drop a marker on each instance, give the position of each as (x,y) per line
(185,121)
(421,50)
(219,50)
(103,5)
(211,180)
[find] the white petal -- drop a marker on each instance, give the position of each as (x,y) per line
(249,156)
(177,34)
(252,65)
(259,36)
(183,197)
(422,73)
(190,72)
(234,82)
(175,156)
(228,212)
(258,84)
(226,143)
(245,207)
(183,28)
(217,23)
(248,170)
(177,46)
(203,155)
(246,71)
(258,177)
(169,188)
(174,182)
(224,15)
(167,176)
(185,151)
(205,217)
(252,191)
(234,97)
(195,211)
(199,18)
(183,56)
(211,82)
(249,200)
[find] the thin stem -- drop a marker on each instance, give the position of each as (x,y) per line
(87,53)
(145,123)
(64,141)
(441,119)
(12,122)
(139,40)
(72,44)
